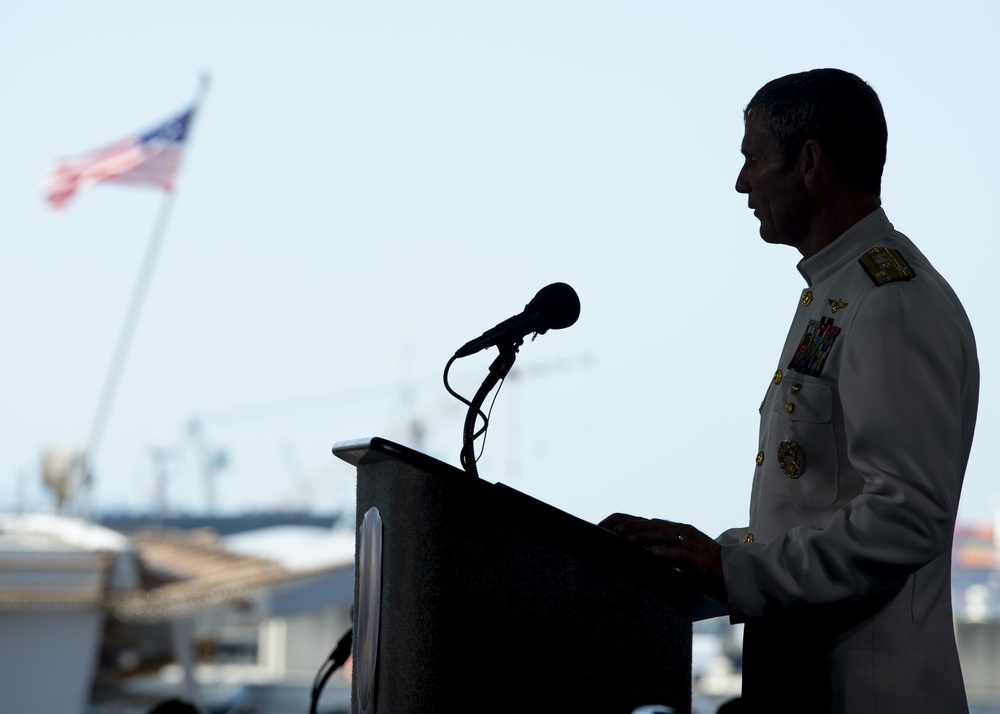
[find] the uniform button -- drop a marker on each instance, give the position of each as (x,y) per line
(789,408)
(807,297)
(796,388)
(778,376)
(748,538)
(760,458)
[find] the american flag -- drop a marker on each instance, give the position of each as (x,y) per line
(150,159)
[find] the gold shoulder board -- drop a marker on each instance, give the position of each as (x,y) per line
(884,265)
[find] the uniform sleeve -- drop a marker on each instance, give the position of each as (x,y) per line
(732,536)
(903,387)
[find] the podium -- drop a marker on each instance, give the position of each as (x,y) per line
(489,600)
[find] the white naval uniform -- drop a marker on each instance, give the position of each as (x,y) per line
(845,588)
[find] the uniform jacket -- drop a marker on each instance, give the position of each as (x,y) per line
(866,427)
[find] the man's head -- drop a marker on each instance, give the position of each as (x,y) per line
(815,148)
(835,108)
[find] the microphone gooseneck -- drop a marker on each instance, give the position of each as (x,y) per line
(554,307)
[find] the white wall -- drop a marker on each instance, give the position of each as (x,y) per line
(47,661)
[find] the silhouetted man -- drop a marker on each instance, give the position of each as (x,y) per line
(843,577)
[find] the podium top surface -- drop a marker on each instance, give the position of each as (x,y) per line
(375,449)
(526,513)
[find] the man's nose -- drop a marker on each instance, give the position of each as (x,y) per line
(742,185)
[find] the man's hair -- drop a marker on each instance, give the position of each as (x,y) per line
(838,110)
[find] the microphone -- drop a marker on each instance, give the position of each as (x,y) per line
(554,307)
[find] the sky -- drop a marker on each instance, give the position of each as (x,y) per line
(369,185)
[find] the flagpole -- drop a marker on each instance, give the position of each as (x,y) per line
(132,315)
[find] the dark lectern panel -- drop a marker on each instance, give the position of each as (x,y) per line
(494,601)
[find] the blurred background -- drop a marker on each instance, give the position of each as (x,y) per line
(367,186)
(370,185)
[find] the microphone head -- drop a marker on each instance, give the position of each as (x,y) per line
(557,306)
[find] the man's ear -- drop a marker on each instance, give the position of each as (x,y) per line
(813,162)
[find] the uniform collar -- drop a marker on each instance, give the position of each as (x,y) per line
(846,248)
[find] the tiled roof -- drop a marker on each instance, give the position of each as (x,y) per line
(180,573)
(189,571)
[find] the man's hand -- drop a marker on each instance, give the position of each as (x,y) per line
(678,544)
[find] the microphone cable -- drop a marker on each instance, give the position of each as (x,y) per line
(334,662)
(466,402)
